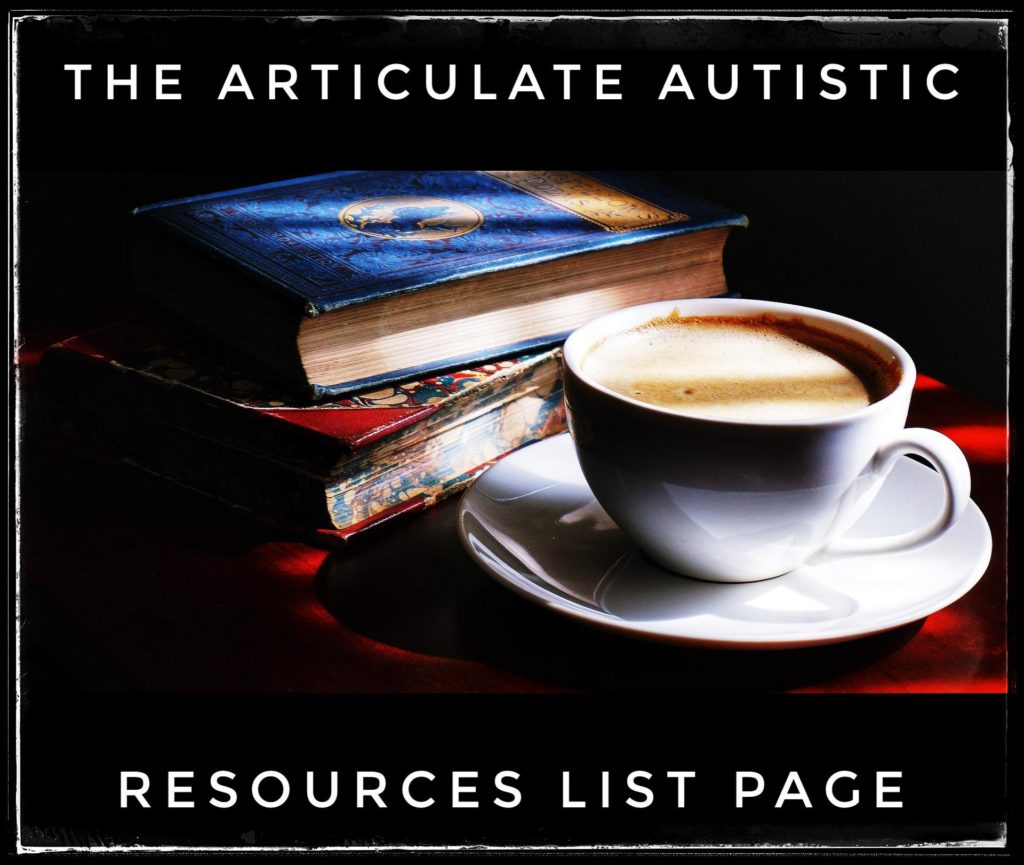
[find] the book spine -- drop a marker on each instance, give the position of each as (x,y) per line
(205,293)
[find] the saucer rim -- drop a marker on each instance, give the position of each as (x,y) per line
(608,622)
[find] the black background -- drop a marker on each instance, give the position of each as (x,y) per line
(891,212)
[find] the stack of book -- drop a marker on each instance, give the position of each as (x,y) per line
(332,351)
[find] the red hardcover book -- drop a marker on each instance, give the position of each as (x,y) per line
(141,394)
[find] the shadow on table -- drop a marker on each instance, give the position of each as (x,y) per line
(436,601)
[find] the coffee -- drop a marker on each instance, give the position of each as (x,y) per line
(732,367)
(748,491)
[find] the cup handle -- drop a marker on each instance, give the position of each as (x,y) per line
(952,467)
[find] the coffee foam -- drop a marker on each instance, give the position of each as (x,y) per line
(740,368)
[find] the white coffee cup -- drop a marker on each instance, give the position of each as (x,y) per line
(742,500)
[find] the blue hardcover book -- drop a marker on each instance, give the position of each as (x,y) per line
(346,280)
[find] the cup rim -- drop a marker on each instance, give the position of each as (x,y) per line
(585,336)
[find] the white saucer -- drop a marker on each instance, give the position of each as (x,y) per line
(533,524)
